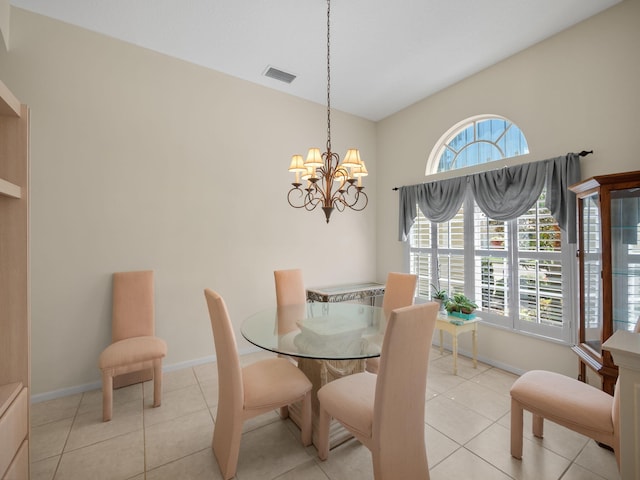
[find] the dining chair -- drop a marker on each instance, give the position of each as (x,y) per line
(399,292)
(246,392)
(289,291)
(134,346)
(567,402)
(385,412)
(289,287)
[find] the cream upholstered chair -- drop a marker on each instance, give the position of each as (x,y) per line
(250,391)
(399,292)
(289,287)
(134,345)
(386,411)
(567,402)
(289,291)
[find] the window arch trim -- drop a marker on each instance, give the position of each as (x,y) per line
(443,142)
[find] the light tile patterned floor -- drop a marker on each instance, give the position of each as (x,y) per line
(467,434)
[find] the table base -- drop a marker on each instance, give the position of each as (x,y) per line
(321,372)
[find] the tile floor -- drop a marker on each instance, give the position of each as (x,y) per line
(466,430)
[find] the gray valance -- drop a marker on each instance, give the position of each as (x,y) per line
(438,201)
(509,192)
(502,194)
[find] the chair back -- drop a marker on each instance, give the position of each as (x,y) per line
(289,287)
(399,291)
(288,318)
(133,309)
(398,413)
(231,393)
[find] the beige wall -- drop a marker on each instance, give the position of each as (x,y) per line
(4,22)
(578,90)
(135,157)
(141,161)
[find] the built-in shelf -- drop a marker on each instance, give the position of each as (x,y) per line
(9,189)
(10,107)
(14,286)
(9,104)
(8,393)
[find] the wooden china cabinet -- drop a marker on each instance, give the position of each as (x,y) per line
(609,258)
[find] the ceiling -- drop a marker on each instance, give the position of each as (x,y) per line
(385,55)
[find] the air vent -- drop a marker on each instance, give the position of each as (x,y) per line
(279,75)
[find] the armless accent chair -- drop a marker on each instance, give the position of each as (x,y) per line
(399,292)
(567,402)
(134,345)
(250,391)
(385,412)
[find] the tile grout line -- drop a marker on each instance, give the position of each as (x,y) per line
(486,461)
(66,440)
(201,388)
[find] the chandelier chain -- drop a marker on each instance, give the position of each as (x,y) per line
(329,184)
(328,76)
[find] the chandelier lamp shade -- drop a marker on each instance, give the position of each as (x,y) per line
(328,182)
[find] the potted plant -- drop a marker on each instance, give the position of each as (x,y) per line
(460,306)
(439,296)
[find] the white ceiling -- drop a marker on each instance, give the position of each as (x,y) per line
(385,55)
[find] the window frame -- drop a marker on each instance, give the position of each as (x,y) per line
(443,143)
(565,333)
(512,322)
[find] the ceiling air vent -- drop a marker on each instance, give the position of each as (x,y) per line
(279,75)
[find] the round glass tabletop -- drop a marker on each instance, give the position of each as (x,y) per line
(328,331)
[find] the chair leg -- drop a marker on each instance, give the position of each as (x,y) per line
(227,433)
(284,412)
(538,426)
(305,415)
(323,434)
(107,396)
(516,429)
(157,383)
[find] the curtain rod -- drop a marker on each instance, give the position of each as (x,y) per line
(583,153)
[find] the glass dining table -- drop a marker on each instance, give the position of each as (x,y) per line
(328,341)
(323,331)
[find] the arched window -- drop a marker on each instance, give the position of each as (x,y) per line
(477,140)
(518,271)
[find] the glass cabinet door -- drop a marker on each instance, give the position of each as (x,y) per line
(625,258)
(592,273)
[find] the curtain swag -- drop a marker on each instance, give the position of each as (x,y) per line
(502,194)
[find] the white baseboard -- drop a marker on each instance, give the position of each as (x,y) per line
(483,359)
(64,392)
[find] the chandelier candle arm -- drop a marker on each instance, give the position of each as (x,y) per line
(297,166)
(330,183)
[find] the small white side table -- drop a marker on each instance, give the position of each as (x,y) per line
(444,324)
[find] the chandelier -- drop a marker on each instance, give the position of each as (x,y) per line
(329,183)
